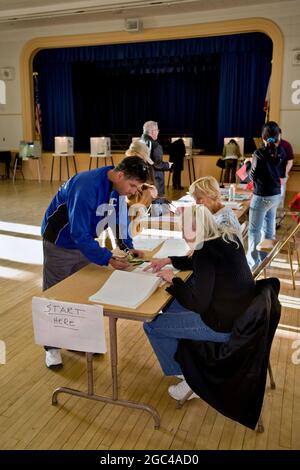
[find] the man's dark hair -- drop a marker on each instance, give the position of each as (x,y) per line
(134,168)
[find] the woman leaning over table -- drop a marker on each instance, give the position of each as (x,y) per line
(206,308)
(267,167)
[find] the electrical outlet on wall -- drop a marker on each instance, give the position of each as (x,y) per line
(7,73)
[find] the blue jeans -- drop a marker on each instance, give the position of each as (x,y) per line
(175,323)
(262,224)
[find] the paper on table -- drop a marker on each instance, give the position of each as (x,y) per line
(233,204)
(173,247)
(126,289)
(146,243)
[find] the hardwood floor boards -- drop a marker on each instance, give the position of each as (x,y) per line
(29,421)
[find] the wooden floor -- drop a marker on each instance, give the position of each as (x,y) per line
(29,421)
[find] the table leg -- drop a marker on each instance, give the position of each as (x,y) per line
(114,363)
(75,167)
(60,168)
(193,167)
(188,162)
(52,169)
(67,163)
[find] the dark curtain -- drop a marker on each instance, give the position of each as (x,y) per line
(243,85)
(209,88)
(107,102)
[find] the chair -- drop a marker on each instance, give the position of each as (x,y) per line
(5,157)
(244,230)
(17,166)
(258,142)
(287,245)
(215,370)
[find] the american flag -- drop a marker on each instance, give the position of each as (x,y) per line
(37,108)
(267,101)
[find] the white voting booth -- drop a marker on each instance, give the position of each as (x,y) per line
(100,147)
(63,147)
(188,142)
(239,140)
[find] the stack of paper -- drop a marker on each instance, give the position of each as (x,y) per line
(126,289)
(141,242)
(173,247)
(233,204)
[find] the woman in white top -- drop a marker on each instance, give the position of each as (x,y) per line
(206,191)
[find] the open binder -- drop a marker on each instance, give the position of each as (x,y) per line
(126,289)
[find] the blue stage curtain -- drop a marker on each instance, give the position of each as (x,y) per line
(209,88)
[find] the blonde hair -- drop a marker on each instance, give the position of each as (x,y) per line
(207,185)
(138,148)
(208,229)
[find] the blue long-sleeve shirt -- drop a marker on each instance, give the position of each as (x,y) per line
(81,209)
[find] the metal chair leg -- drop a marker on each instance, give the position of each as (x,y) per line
(260,425)
(75,166)
(52,169)
(291,266)
(272,381)
(15,170)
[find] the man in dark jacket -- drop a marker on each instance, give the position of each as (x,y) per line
(150,134)
(177,154)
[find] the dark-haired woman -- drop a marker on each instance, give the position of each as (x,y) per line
(268,166)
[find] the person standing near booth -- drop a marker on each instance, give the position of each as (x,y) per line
(267,167)
(177,154)
(150,134)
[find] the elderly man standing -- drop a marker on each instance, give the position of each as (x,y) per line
(150,133)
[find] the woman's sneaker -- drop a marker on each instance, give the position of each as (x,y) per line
(179,391)
(53,358)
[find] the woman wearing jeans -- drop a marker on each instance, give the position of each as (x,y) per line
(268,166)
(205,309)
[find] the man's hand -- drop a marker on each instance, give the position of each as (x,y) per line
(167,274)
(156,266)
(119,263)
(137,253)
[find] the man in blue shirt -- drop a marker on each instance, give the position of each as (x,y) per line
(82,208)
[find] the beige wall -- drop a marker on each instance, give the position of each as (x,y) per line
(286,16)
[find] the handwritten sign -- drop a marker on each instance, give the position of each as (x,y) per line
(68,325)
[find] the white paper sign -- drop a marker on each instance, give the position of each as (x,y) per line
(68,325)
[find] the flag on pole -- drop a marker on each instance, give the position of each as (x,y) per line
(267,101)
(37,108)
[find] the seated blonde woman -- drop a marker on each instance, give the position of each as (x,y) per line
(147,191)
(206,191)
(140,201)
(205,309)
